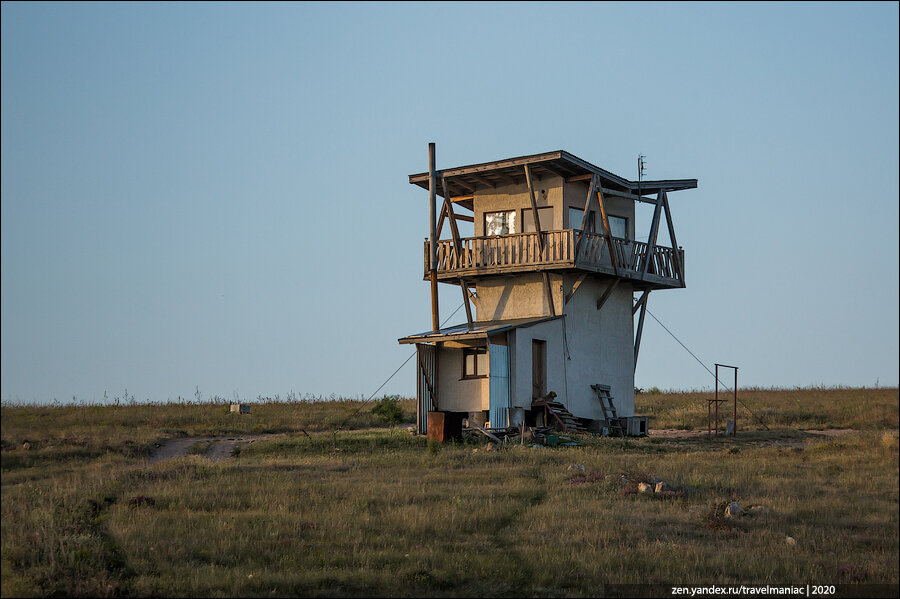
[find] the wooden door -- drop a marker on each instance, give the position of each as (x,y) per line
(538,368)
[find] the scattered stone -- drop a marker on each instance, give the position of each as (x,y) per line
(411,430)
(733,510)
(790,541)
(645,488)
(661,487)
(26,445)
(576,467)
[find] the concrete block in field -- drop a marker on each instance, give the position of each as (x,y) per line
(637,426)
(240,408)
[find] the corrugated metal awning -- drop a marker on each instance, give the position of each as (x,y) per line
(479,330)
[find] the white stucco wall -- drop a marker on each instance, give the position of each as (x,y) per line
(456,394)
(601,347)
(547,192)
(521,296)
(521,360)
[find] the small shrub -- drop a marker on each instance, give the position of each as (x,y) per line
(388,409)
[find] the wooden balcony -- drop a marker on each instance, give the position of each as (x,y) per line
(520,252)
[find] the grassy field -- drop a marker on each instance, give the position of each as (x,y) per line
(380,512)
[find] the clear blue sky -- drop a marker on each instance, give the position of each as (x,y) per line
(216,195)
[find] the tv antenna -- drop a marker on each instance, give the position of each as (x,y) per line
(642,164)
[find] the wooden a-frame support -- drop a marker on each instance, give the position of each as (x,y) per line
(642,306)
(540,238)
(457,244)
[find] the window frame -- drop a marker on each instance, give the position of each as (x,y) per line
(509,221)
(609,217)
(476,351)
(591,224)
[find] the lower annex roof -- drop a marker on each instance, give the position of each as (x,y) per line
(479,330)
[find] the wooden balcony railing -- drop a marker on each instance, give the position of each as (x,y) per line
(517,252)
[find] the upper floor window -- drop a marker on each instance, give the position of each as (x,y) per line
(545,214)
(500,223)
(576,215)
(618,227)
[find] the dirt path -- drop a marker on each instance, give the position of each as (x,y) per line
(673,433)
(220,448)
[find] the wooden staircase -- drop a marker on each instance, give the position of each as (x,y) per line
(616,425)
(555,412)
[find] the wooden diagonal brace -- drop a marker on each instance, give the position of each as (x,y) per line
(586,215)
(575,287)
(534,210)
(607,293)
(640,329)
(607,233)
(676,256)
(654,229)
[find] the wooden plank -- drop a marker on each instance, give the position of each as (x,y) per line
(651,239)
(461,198)
(457,245)
(640,302)
(640,329)
(448,206)
(585,215)
(575,287)
(627,196)
(609,242)
(679,269)
(468,219)
(534,210)
(440,225)
(577,178)
(465,292)
(549,293)
(607,293)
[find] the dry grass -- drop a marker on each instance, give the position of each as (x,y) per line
(814,408)
(378,514)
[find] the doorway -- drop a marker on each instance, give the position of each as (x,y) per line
(538,369)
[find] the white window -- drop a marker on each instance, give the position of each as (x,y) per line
(500,223)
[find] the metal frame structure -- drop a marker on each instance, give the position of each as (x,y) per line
(717,401)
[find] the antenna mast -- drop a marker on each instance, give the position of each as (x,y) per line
(641,165)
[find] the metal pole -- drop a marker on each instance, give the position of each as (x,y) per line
(432,201)
(717,400)
(734,432)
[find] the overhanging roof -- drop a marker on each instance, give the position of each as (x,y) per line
(479,330)
(463,180)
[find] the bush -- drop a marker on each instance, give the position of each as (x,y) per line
(388,409)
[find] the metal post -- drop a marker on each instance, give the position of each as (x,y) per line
(717,400)
(432,200)
(734,432)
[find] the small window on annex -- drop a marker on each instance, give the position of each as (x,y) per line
(618,227)
(500,223)
(475,363)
